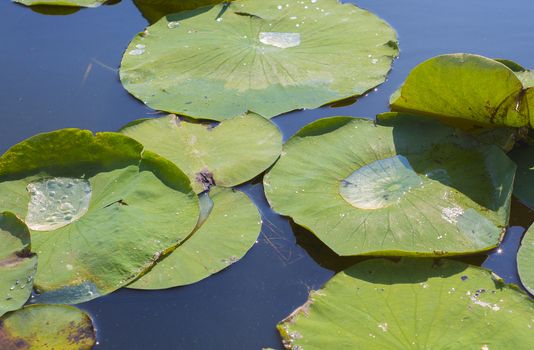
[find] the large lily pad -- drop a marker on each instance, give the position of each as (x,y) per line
(101,209)
(17,264)
(525,260)
(385,189)
(47,327)
(66,3)
(412,304)
(229,154)
(153,10)
(468,88)
(229,229)
(524,181)
(267,57)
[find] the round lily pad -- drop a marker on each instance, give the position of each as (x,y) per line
(465,87)
(100,208)
(47,327)
(524,178)
(408,186)
(153,10)
(525,260)
(17,264)
(234,151)
(267,57)
(66,3)
(229,228)
(412,304)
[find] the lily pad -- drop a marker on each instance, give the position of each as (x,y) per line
(384,189)
(525,260)
(153,10)
(524,178)
(504,137)
(466,87)
(267,57)
(101,209)
(229,228)
(17,264)
(226,155)
(526,77)
(412,304)
(47,327)
(66,3)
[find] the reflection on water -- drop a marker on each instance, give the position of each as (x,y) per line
(61,71)
(54,10)
(502,260)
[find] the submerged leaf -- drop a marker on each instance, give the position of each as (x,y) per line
(412,304)
(382,189)
(226,155)
(17,265)
(524,178)
(101,209)
(47,327)
(65,3)
(232,224)
(265,57)
(467,88)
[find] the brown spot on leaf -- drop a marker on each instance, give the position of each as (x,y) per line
(205,178)
(11,261)
(8,342)
(81,333)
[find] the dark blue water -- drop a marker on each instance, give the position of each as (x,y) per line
(61,71)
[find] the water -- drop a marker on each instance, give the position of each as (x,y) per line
(280,40)
(139,50)
(61,71)
(56,202)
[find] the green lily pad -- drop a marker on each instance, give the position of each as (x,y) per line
(466,87)
(66,3)
(384,189)
(503,137)
(17,265)
(153,10)
(524,178)
(47,327)
(229,228)
(514,66)
(412,304)
(227,155)
(100,209)
(526,77)
(267,57)
(525,260)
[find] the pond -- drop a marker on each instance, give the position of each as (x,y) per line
(61,71)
